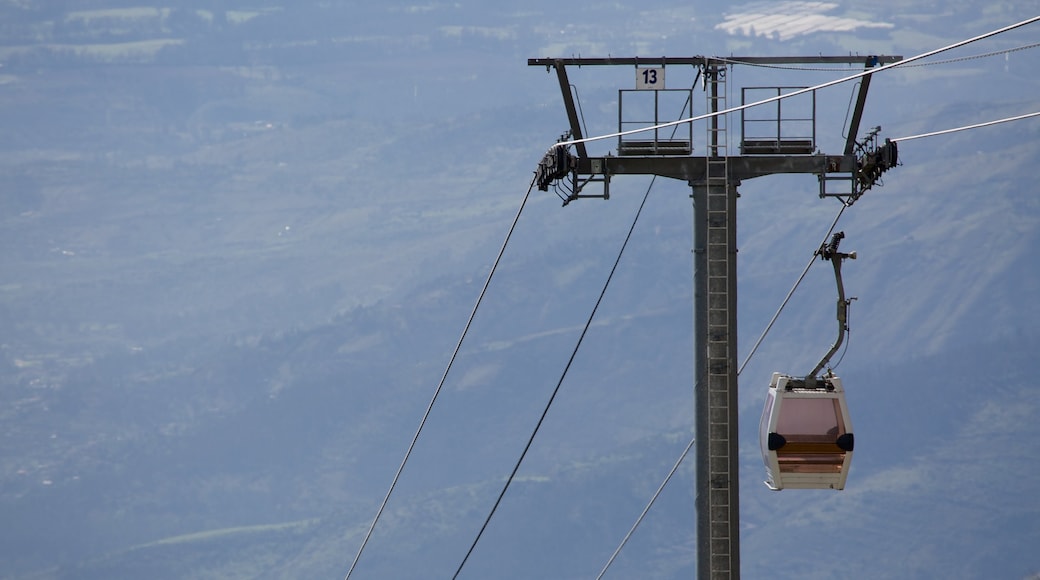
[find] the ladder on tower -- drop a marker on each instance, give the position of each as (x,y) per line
(720,443)
(717,138)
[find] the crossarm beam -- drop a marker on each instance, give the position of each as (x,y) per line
(740,167)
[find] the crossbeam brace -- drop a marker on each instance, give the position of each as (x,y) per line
(710,61)
(741,167)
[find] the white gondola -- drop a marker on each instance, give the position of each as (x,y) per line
(805,432)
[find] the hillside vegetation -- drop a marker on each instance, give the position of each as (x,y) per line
(240,241)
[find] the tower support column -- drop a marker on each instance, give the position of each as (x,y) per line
(715,371)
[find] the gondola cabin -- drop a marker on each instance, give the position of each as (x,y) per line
(806,434)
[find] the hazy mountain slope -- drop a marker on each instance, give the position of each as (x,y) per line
(917,501)
(239,245)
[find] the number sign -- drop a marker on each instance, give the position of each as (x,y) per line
(650,79)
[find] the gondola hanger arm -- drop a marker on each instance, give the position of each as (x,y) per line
(829,251)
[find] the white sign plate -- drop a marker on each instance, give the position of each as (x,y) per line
(650,79)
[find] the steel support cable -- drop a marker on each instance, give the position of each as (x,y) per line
(977,56)
(798,282)
(675,467)
(689,446)
(684,452)
(844,79)
(967,127)
(559,383)
(843,69)
(653,499)
(440,385)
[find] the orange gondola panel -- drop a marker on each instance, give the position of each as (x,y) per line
(806,434)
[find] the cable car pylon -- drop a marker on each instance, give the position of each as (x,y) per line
(805,432)
(781,141)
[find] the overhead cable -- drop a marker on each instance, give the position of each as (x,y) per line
(690,445)
(787,67)
(639,520)
(976,56)
(845,68)
(559,383)
(966,127)
(802,91)
(812,260)
(440,385)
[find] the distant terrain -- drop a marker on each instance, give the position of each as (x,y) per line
(240,240)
